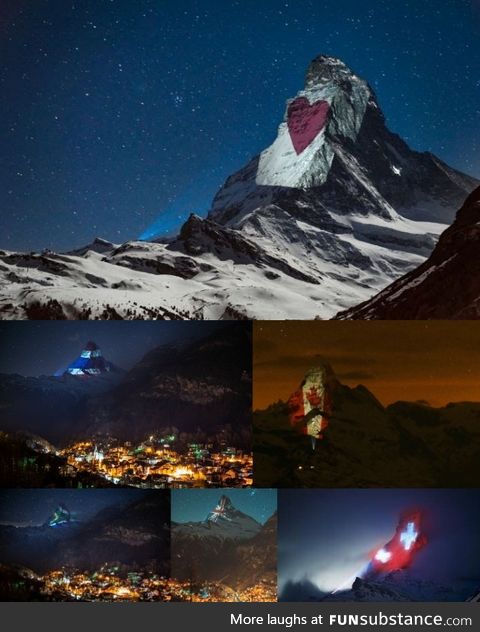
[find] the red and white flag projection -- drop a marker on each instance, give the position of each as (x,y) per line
(310,407)
(401,550)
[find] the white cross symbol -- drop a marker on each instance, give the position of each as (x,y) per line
(409,536)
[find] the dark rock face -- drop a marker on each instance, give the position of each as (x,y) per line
(199,236)
(235,549)
(205,385)
(368,445)
(445,286)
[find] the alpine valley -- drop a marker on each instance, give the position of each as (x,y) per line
(120,553)
(334,210)
(179,417)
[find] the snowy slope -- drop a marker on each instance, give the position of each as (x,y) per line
(398,586)
(433,291)
(332,212)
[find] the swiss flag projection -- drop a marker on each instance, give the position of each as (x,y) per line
(400,551)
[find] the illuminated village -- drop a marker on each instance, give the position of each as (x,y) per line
(111,584)
(160,463)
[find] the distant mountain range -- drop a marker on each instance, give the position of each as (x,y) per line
(366,444)
(332,212)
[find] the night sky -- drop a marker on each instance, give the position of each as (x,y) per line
(193,505)
(118,116)
(435,362)
(24,507)
(44,347)
(327,536)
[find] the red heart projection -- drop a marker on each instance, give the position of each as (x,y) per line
(306,121)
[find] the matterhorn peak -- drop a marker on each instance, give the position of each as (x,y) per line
(333,211)
(332,104)
(90,362)
(224,511)
(324,69)
(322,369)
(310,406)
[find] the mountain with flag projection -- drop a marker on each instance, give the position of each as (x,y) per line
(366,444)
(133,535)
(445,286)
(310,406)
(228,546)
(223,522)
(199,389)
(90,362)
(333,211)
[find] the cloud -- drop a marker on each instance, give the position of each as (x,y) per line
(356,375)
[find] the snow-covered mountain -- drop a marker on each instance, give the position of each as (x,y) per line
(228,546)
(446,285)
(333,211)
(223,523)
(398,586)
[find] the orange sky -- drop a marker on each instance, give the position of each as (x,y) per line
(436,361)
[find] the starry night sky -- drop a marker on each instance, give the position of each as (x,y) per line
(120,115)
(24,507)
(329,535)
(194,505)
(434,362)
(43,347)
